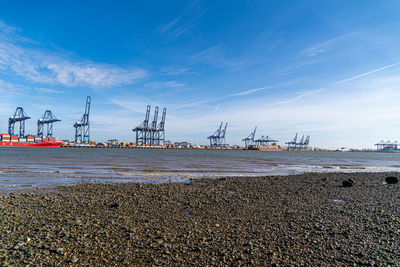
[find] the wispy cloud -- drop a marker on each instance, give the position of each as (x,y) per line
(166,84)
(175,71)
(324,46)
(367,73)
(180,25)
(41,67)
(192,104)
(215,55)
(167,27)
(7,88)
(48,90)
(6,29)
(251,91)
(298,97)
(293,68)
(137,105)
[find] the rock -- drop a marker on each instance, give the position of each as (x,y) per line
(347,183)
(60,251)
(114,205)
(19,245)
(392,180)
(74,259)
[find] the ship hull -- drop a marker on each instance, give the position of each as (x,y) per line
(389,150)
(38,144)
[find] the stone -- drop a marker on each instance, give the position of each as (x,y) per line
(392,180)
(114,205)
(60,251)
(74,259)
(347,183)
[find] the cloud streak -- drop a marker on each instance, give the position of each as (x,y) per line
(324,46)
(215,56)
(286,101)
(367,73)
(48,90)
(180,25)
(251,91)
(166,84)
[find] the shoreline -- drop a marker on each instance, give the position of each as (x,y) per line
(304,219)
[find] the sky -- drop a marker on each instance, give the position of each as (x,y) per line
(328,69)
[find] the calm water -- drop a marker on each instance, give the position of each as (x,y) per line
(43,167)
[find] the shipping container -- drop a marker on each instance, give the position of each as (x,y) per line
(23,140)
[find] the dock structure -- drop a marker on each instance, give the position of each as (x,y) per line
(264,141)
(387,145)
(45,124)
(151,134)
(217,139)
(299,145)
(82,126)
(19,116)
(249,140)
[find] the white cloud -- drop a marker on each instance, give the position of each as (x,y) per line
(48,90)
(181,24)
(324,46)
(251,91)
(216,56)
(6,29)
(298,97)
(166,84)
(7,88)
(174,70)
(367,73)
(170,25)
(41,67)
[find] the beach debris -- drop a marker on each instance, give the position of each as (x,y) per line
(347,183)
(74,259)
(114,205)
(392,180)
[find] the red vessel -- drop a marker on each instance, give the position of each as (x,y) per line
(8,140)
(38,144)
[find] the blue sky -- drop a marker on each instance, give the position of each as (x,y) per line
(329,69)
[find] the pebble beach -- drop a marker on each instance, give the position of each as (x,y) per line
(306,219)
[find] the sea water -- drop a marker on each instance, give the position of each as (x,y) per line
(46,167)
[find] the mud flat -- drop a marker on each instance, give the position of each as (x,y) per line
(307,219)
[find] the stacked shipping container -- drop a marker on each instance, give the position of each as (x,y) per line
(5,138)
(29,138)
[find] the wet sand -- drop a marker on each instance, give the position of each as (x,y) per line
(307,219)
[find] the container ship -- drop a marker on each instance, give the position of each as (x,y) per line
(8,140)
(388,147)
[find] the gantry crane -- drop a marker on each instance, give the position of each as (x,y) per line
(249,140)
(218,138)
(46,123)
(19,116)
(82,127)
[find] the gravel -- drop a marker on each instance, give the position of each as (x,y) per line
(308,219)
